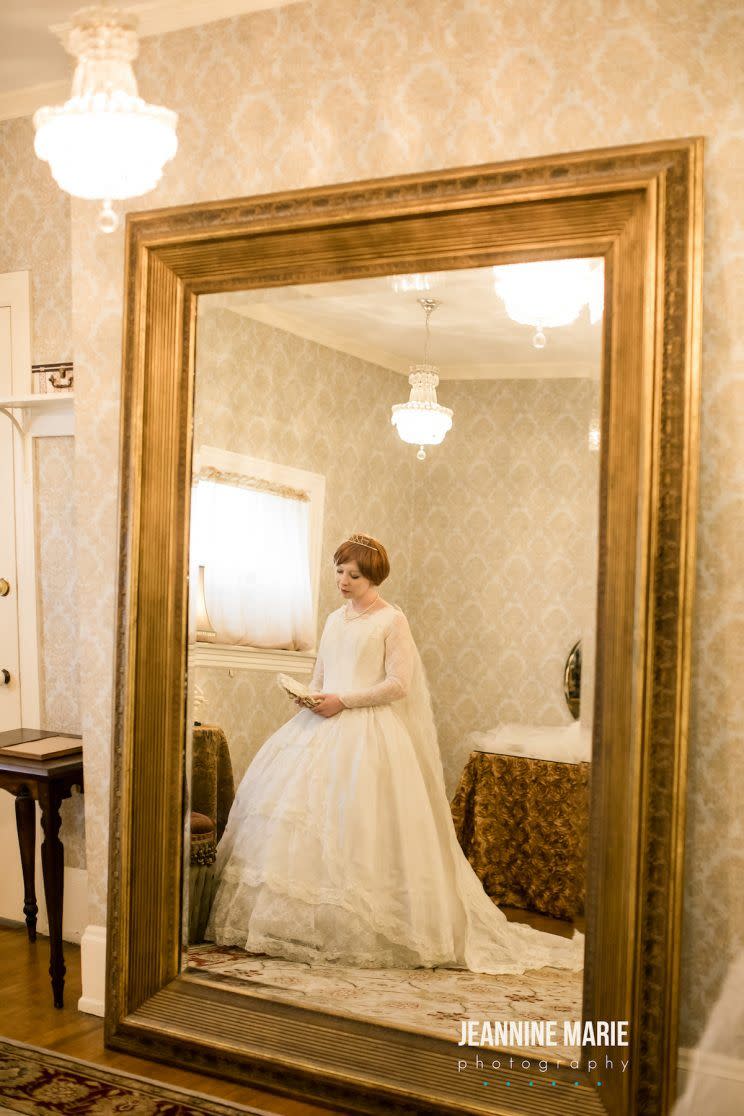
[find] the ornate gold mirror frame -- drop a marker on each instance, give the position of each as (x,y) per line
(640,208)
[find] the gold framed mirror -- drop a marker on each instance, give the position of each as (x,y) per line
(640,209)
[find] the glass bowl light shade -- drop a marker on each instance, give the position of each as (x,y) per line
(106,146)
(420,426)
(422,421)
(548,293)
(105,142)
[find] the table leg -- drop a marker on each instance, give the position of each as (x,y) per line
(25,809)
(53,866)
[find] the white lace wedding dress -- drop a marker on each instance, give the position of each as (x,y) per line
(340,844)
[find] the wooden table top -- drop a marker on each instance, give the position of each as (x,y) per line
(59,765)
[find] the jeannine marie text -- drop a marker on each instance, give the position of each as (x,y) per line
(543,1032)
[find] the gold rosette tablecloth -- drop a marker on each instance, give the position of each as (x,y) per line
(212,785)
(523,825)
(212,793)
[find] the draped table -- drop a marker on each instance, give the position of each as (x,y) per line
(523,825)
(212,786)
(212,793)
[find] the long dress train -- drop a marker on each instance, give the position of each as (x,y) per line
(340,844)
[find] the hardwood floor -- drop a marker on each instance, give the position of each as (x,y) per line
(27,1015)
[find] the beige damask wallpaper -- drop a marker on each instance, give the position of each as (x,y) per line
(58,616)
(280,397)
(250,381)
(54,474)
(35,237)
(491,539)
(497,605)
(336,90)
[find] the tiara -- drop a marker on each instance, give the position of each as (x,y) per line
(360,541)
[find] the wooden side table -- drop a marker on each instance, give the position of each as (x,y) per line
(47,782)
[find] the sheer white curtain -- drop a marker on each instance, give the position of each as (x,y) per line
(254,546)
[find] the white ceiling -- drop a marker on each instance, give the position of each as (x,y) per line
(34,66)
(471,335)
(29,53)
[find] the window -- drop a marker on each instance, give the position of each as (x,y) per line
(256,528)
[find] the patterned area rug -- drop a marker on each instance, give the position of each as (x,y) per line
(45,1084)
(428,1001)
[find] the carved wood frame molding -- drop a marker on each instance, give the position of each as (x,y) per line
(639,207)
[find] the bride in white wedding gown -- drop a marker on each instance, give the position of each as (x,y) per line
(340,844)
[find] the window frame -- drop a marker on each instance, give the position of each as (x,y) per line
(239,656)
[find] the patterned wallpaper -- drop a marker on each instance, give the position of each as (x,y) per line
(57,580)
(35,236)
(334,91)
(491,539)
(250,381)
(505,555)
(249,377)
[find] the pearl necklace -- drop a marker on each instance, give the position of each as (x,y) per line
(357,615)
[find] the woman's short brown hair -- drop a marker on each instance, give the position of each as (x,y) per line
(368,553)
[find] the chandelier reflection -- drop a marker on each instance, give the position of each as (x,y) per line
(404,284)
(105,143)
(550,293)
(423,421)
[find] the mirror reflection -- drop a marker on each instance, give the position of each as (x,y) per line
(392,602)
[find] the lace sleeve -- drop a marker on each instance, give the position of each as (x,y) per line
(399,661)
(316,682)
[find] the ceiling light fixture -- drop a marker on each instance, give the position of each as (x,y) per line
(422,421)
(105,143)
(403,284)
(550,293)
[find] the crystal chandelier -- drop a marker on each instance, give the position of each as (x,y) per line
(550,293)
(105,143)
(403,284)
(422,421)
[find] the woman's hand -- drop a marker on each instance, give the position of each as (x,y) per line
(329,705)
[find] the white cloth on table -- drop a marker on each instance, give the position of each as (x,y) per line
(565,743)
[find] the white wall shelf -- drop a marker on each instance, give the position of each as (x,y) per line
(47,414)
(38,404)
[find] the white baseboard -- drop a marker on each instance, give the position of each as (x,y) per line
(74,907)
(708,1082)
(93,970)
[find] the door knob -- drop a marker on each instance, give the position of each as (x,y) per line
(5,676)
(4,587)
